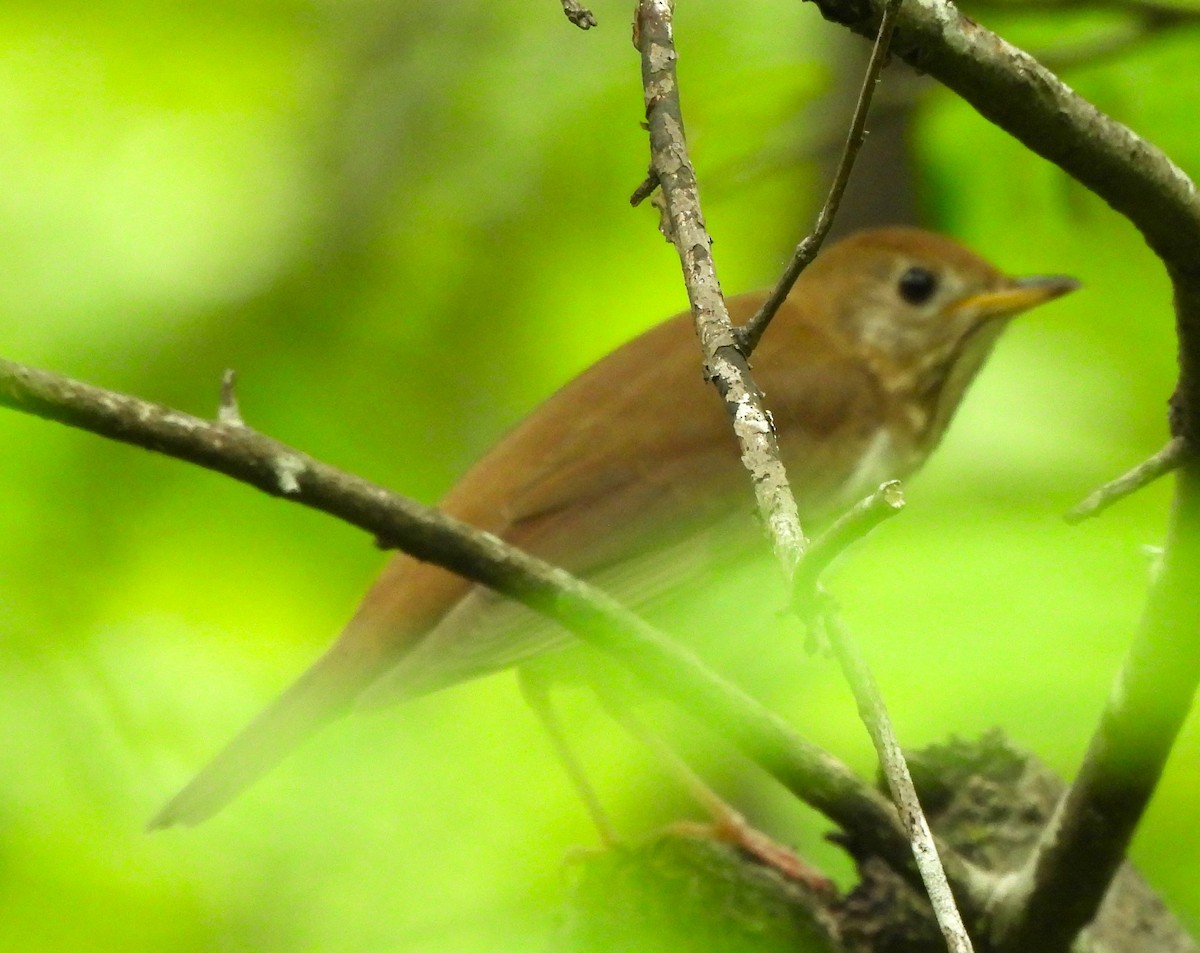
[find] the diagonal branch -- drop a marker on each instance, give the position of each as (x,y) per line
(240,452)
(725,357)
(1145,473)
(724,362)
(751,332)
(822,614)
(874,714)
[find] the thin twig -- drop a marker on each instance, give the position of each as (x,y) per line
(578,14)
(645,189)
(887,501)
(227,409)
(819,609)
(1145,473)
(725,364)
(874,715)
(751,332)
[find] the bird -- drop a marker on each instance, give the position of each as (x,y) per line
(627,474)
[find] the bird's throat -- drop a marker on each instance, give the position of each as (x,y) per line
(923,391)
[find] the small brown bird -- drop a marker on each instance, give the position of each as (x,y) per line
(863,368)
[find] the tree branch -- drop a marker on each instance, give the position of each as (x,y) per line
(578,14)
(724,362)
(821,613)
(726,353)
(725,356)
(751,332)
(279,470)
(874,714)
(1145,473)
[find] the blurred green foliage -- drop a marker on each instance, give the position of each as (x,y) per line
(403,224)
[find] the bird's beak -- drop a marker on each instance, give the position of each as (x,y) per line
(1019,294)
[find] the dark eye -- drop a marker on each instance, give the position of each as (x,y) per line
(917,285)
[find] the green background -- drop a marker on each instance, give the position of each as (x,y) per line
(403,224)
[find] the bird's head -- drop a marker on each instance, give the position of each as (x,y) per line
(919,309)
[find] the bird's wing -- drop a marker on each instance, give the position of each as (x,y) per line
(592,481)
(639,446)
(634,507)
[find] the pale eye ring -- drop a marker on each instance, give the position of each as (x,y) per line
(917,285)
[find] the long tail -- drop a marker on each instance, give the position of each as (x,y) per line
(320,695)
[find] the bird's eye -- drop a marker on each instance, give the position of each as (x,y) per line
(917,285)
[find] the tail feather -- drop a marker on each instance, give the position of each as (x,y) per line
(321,694)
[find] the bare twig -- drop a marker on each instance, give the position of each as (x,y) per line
(895,769)
(887,501)
(751,332)
(818,608)
(227,409)
(645,189)
(578,14)
(725,364)
(1145,473)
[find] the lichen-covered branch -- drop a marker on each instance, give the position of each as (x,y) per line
(724,361)
(725,353)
